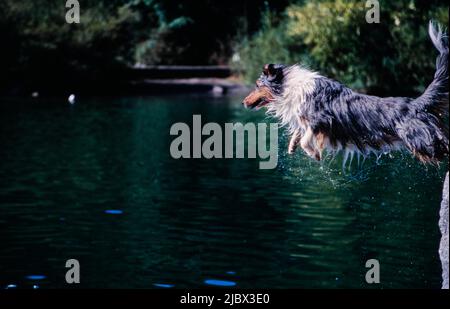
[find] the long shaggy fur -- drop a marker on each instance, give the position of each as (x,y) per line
(324,114)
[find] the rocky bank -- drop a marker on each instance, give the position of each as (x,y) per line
(443,225)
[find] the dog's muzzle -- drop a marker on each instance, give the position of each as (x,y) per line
(258,98)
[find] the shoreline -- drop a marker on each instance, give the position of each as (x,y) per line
(161,80)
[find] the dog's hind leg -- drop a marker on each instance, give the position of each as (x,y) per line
(425,139)
(293,143)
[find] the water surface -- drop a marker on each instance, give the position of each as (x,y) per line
(95,182)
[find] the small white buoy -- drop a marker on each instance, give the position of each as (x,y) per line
(71,99)
(218,90)
(35,94)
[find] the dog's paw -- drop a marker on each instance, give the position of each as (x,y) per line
(292,147)
(291,150)
(317,156)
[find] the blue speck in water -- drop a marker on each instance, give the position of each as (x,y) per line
(35,277)
(11,286)
(220,282)
(35,287)
(114,211)
(163,285)
(231,272)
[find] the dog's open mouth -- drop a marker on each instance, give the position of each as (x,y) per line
(258,98)
(258,104)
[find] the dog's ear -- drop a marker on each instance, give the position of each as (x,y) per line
(269,69)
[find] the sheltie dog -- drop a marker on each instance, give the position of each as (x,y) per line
(321,113)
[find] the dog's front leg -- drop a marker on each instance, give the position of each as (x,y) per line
(306,143)
(293,143)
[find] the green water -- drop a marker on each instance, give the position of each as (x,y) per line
(182,222)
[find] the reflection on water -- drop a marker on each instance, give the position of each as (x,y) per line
(95,182)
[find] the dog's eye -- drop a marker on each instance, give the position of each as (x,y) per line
(269,70)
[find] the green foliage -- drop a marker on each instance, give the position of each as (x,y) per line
(269,45)
(115,33)
(43,52)
(39,42)
(199,31)
(394,57)
(333,37)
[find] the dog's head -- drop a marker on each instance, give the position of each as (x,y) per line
(268,86)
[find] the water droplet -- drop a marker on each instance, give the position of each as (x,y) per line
(231,272)
(11,286)
(35,287)
(220,282)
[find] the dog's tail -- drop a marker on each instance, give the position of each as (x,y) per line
(426,133)
(437,92)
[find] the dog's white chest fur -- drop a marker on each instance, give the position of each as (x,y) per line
(298,87)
